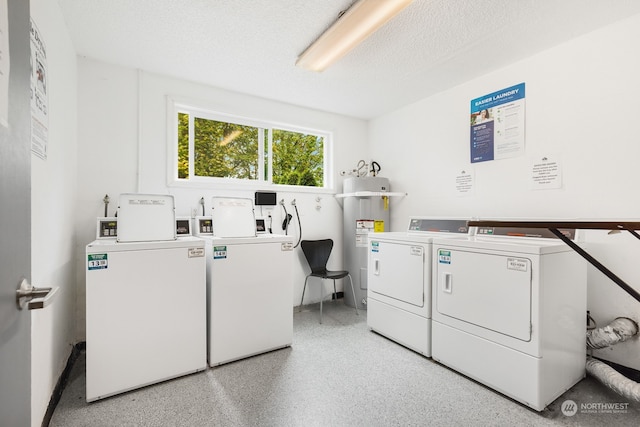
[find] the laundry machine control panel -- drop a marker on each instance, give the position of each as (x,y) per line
(203,226)
(183,226)
(107,228)
(418,224)
(525,232)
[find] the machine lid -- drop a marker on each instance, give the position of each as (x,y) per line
(532,246)
(233,217)
(146,218)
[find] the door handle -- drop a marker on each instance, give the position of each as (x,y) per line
(33,297)
(376,267)
(447,279)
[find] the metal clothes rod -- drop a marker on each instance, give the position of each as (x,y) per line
(555,225)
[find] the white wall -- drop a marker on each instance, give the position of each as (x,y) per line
(581,107)
(107,154)
(123,148)
(53,213)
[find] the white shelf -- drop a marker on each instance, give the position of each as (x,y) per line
(371,194)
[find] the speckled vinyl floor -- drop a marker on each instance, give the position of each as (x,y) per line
(335,374)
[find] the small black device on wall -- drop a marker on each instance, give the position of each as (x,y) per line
(265,198)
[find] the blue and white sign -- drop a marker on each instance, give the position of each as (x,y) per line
(497,125)
(444,257)
(219,252)
(97,262)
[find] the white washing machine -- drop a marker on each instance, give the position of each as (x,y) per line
(510,313)
(249,284)
(145,303)
(399,279)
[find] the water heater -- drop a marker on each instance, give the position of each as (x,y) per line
(365,210)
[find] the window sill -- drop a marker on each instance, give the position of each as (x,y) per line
(233,185)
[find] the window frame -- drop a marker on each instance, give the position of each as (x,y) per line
(177,105)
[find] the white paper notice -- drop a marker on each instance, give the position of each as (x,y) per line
(465,181)
(39,97)
(363,228)
(546,174)
(5,64)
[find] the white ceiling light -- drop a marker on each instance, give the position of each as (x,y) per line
(361,20)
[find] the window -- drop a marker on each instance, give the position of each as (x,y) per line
(212,146)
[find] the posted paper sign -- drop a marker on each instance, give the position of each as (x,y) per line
(546,173)
(39,96)
(465,182)
(5,64)
(363,228)
(497,125)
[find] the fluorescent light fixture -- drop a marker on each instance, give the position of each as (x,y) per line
(361,20)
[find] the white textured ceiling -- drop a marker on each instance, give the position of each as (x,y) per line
(250,46)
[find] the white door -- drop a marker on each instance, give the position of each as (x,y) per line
(397,270)
(486,290)
(15,226)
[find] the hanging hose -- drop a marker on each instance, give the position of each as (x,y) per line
(362,169)
(375,168)
(287,219)
(106,204)
(614,379)
(620,330)
(299,224)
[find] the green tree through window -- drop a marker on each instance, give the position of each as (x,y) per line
(223,149)
(297,158)
(183,146)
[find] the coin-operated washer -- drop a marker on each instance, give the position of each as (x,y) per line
(145,299)
(249,283)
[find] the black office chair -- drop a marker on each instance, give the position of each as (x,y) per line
(317,253)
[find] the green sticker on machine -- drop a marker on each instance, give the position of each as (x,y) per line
(219,252)
(444,257)
(97,261)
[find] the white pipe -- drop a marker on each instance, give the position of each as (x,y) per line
(614,379)
(620,330)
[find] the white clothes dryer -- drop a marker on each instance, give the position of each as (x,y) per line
(399,280)
(510,313)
